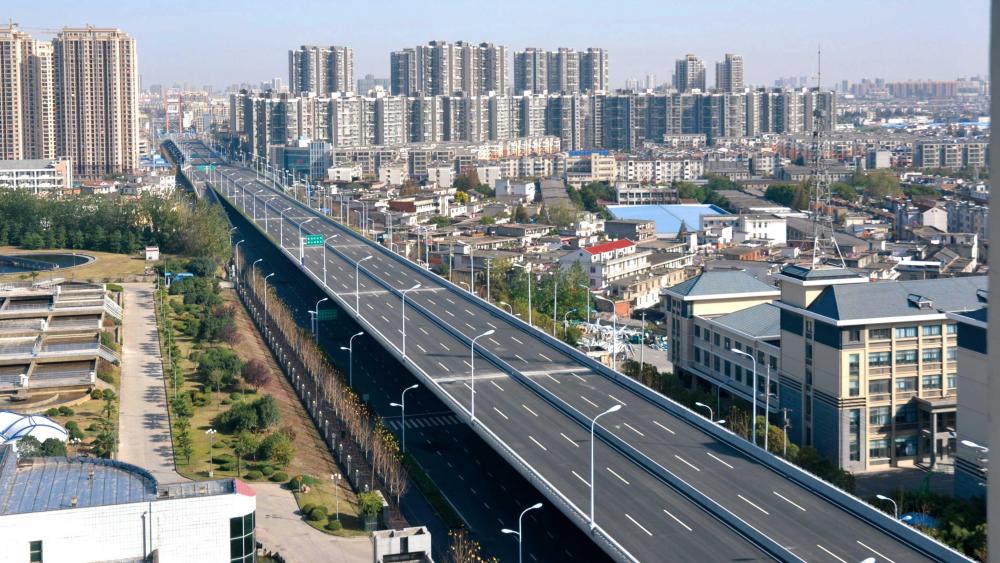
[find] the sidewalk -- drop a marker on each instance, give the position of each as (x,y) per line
(144,428)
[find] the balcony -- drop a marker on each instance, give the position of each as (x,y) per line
(879,370)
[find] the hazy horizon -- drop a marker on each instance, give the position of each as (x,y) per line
(249,40)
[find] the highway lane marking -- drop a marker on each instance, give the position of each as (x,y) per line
(789,501)
(494,341)
(495,385)
(544,357)
(515,339)
(500,413)
(469,387)
(369,305)
(568,439)
(470,326)
(421,329)
(443,346)
(431,301)
(578,377)
(448,299)
(875,552)
(577,475)
(753,505)
(469,312)
(688,463)
(467,363)
(664,427)
(384,319)
(444,367)
(718,459)
(633,429)
(595,405)
(518,356)
(390,305)
(421,348)
(620,478)
(678,520)
(641,527)
(832,554)
(550,377)
(491,324)
(449,312)
(529,410)
(537,443)
(616,399)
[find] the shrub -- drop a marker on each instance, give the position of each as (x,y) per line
(52,412)
(217,445)
(234,396)
(317,514)
(277,447)
(114,288)
(307,508)
(106,376)
(296,483)
(226,402)
(53,447)
(96,395)
(369,504)
(254,475)
(109,394)
(257,374)
(334,525)
(228,467)
(279,477)
(66,411)
(93,427)
(223,458)
(268,414)
(240,417)
(266,470)
(73,429)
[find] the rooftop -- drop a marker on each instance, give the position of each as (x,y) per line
(899,298)
(721,283)
(759,321)
(668,218)
(609,246)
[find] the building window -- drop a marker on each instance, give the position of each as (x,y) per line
(728,344)
(35,551)
(906,447)
(697,354)
(879,359)
(906,357)
(879,334)
(697,331)
(716,363)
(708,335)
(906,332)
(809,328)
(716,338)
(738,345)
(931,330)
(809,376)
(952,328)
(931,381)
(809,352)
(854,375)
(906,414)
(854,335)
(739,373)
(906,384)
(773,362)
(952,353)
(932,354)
(241,539)
(879,386)
(728,368)
(952,380)
(878,448)
(878,416)
(854,446)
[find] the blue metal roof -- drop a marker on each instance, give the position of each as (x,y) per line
(668,218)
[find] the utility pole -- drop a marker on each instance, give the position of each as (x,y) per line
(784,450)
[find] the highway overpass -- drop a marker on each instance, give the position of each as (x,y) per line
(669,483)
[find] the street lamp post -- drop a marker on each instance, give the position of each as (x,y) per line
(472,370)
(236,255)
(281,228)
(211,442)
(711,415)
(614,332)
(302,244)
(326,240)
(265,293)
(566,322)
(402,405)
(593,423)
(520,531)
(527,272)
(357,284)
(488,280)
(403,293)
(350,358)
(316,317)
(510,308)
(895,507)
(753,422)
(336,491)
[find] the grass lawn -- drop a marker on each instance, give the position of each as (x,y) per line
(311,459)
(108,266)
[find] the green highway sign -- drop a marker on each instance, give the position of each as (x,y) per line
(314,240)
(327,314)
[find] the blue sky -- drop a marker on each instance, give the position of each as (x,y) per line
(227,41)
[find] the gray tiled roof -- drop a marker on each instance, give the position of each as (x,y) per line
(761,321)
(720,283)
(28,164)
(892,299)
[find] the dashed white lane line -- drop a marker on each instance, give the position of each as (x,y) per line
(515,339)
(578,377)
(421,329)
(495,385)
(788,500)
(466,362)
(753,505)
(686,462)
(544,357)
(369,305)
(592,403)
(444,346)
(616,399)
(577,475)
(469,312)
(470,326)
(448,299)
(491,324)
(720,460)
(537,443)
(831,554)
(664,427)
(633,429)
(501,413)
(391,306)
(875,552)
(550,377)
(431,301)
(569,440)
(444,367)
(641,527)
(529,410)
(384,319)
(421,348)
(494,341)
(449,312)
(518,356)
(620,478)
(676,519)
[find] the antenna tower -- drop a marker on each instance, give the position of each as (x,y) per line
(825,250)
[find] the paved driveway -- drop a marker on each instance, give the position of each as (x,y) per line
(144,428)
